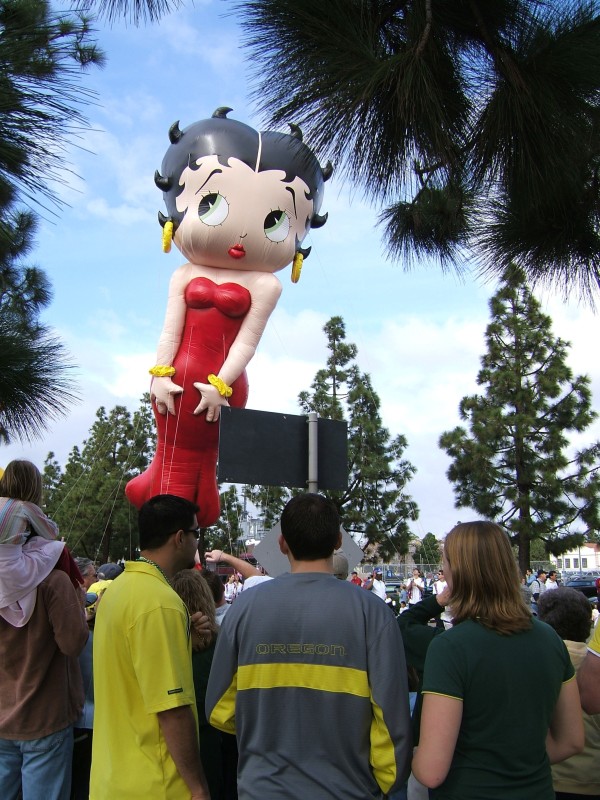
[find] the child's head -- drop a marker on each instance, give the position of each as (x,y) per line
(22,481)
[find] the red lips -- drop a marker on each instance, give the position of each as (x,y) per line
(237,251)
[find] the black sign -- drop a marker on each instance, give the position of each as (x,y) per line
(259,447)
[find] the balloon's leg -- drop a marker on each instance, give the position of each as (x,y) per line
(191,474)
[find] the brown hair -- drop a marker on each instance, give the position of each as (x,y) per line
(215,584)
(485,578)
(197,596)
(22,480)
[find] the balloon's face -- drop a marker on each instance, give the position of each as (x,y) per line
(236,218)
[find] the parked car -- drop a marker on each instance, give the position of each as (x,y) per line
(392,589)
(589,586)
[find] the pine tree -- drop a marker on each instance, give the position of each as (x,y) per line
(42,54)
(374,508)
(514,462)
(269,501)
(474,123)
(88,500)
(36,385)
(428,551)
(227,530)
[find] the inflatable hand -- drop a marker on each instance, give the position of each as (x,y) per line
(211,401)
(164,391)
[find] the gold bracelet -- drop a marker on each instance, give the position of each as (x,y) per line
(220,385)
(162,371)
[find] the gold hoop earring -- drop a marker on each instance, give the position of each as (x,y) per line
(167,236)
(297,267)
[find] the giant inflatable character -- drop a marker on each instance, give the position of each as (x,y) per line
(239,204)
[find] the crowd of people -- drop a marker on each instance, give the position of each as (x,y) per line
(158,679)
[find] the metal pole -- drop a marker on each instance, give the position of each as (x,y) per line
(313,452)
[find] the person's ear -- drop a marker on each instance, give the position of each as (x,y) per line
(283,545)
(339,541)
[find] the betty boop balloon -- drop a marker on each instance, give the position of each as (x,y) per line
(239,203)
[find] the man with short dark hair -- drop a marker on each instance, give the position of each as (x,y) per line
(145,728)
(551,580)
(415,587)
(538,587)
(355,579)
(310,676)
(378,586)
(529,577)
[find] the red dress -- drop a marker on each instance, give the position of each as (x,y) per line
(187,445)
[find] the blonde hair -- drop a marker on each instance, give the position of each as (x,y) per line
(485,578)
(22,480)
(197,596)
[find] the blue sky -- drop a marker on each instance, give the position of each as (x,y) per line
(419,332)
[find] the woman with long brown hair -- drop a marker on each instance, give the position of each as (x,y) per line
(217,750)
(500,702)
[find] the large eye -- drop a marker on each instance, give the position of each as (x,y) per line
(277,226)
(213,209)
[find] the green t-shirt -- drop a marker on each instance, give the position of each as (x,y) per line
(509,686)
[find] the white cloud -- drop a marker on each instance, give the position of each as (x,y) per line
(217,48)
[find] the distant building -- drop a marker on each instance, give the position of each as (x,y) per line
(580,559)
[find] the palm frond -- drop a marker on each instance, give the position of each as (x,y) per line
(37,385)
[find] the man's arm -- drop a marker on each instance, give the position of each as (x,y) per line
(391,735)
(222,682)
(178,726)
(565,736)
(245,569)
(588,680)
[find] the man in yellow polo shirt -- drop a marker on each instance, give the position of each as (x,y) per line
(145,741)
(588,677)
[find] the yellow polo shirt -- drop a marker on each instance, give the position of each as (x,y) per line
(142,665)
(594,643)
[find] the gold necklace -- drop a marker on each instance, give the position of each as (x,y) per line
(154,564)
